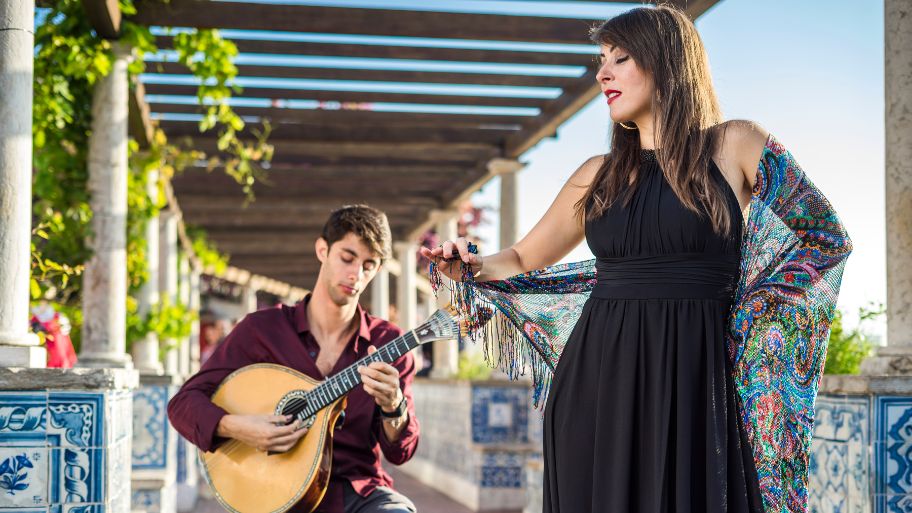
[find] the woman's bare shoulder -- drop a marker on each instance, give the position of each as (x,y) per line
(585,174)
(742,141)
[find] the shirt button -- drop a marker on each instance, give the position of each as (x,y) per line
(313,354)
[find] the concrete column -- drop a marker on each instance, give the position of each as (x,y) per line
(896,357)
(183,352)
(18,348)
(446,352)
(507,169)
(407,294)
(104,286)
(250,299)
(167,278)
(195,304)
(145,351)
(380,294)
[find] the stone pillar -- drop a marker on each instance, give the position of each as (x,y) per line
(18,347)
(380,294)
(446,352)
(896,357)
(145,351)
(187,472)
(183,352)
(507,169)
(406,293)
(167,284)
(104,299)
(250,299)
(195,305)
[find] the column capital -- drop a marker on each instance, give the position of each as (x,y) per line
(502,166)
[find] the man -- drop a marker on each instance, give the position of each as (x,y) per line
(329,332)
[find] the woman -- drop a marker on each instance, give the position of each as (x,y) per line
(687,383)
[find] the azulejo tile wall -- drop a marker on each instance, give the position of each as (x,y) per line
(861,454)
(155,443)
(61,451)
(475,440)
(840,463)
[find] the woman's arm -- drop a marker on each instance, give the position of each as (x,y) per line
(555,235)
(747,140)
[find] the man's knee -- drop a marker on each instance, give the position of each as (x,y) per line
(387,500)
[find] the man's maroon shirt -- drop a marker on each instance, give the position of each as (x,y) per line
(282,336)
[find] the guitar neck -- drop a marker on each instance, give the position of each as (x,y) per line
(342,383)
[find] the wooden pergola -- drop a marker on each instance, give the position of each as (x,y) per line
(346,150)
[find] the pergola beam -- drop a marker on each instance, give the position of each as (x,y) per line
(359,133)
(339,152)
(380,120)
(380,22)
(358,97)
(104,16)
(371,75)
(402,52)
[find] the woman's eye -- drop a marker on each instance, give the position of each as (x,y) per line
(347,260)
(622,59)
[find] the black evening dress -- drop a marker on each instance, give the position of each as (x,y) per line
(642,414)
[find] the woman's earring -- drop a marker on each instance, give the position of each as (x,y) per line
(627,127)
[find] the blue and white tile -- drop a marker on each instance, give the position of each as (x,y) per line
(23,477)
(893,454)
(76,419)
(77,475)
(161,500)
(80,508)
(150,428)
(23,419)
(502,469)
(118,470)
(118,412)
(499,414)
(840,463)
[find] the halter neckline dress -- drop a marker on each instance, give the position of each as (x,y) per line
(642,414)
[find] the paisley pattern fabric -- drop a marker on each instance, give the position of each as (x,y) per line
(792,257)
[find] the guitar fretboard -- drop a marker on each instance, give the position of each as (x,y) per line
(340,384)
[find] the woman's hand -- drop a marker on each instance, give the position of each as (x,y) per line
(449,264)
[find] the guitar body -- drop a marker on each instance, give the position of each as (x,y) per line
(245,480)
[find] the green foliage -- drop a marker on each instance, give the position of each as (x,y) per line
(847,349)
(69,60)
(170,322)
(211,59)
(472,366)
(205,251)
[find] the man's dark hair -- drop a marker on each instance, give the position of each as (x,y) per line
(367,223)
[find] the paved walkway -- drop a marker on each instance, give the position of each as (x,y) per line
(425,498)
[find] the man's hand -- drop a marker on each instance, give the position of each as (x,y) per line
(381,381)
(263,432)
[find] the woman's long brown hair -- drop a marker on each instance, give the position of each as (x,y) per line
(664,43)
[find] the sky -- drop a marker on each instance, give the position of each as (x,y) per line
(812,74)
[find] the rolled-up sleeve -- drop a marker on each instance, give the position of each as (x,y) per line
(404,447)
(191,411)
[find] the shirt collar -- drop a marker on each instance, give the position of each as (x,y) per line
(303,325)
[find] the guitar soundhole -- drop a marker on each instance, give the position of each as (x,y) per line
(293,403)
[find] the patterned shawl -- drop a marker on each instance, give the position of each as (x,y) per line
(792,256)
